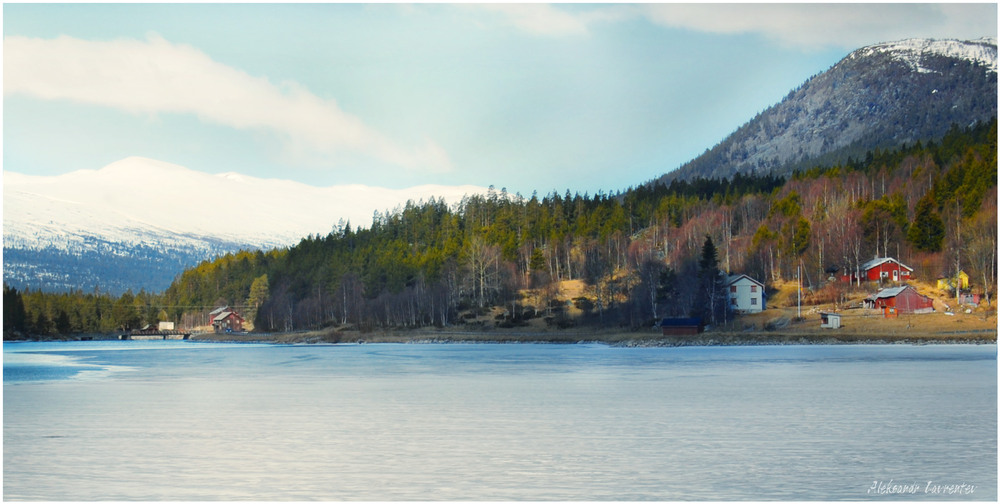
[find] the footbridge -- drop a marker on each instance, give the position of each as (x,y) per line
(154,334)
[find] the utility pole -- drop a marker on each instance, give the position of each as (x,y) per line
(798,277)
(958,253)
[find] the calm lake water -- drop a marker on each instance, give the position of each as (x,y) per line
(195,421)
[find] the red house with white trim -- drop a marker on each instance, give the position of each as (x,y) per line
(880,269)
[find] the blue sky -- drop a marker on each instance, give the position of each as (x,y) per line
(585,97)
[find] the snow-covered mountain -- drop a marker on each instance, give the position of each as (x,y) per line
(914,52)
(880,96)
(138,222)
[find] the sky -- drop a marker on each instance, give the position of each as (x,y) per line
(526,97)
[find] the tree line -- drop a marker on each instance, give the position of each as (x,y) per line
(642,254)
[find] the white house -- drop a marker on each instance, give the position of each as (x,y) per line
(746,295)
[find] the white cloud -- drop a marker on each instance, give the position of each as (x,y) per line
(838,25)
(552,21)
(807,25)
(540,19)
(155,76)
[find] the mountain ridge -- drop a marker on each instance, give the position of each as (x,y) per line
(188,215)
(879,96)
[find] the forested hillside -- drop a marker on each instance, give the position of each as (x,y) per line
(644,253)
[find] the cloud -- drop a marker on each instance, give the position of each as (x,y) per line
(155,76)
(551,21)
(809,25)
(825,25)
(540,19)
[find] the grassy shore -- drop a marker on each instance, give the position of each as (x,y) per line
(775,326)
(772,327)
(624,339)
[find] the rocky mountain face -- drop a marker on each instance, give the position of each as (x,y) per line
(879,96)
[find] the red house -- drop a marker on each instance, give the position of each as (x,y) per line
(904,299)
(227,321)
(880,269)
(215,313)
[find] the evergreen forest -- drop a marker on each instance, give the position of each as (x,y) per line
(648,252)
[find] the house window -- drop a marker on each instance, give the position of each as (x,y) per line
(732,288)
(885,274)
(753,288)
(753,301)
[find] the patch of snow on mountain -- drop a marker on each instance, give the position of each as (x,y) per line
(912,51)
(140,200)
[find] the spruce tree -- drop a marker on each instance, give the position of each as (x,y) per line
(537,262)
(710,303)
(14,316)
(927,231)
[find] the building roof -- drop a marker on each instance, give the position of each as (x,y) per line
(891,292)
(731,279)
(882,260)
(224,315)
(219,310)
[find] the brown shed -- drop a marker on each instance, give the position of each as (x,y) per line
(681,326)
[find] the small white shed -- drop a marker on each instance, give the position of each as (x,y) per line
(830,320)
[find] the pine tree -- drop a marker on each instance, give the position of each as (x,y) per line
(710,301)
(666,289)
(42,325)
(62,323)
(14,316)
(927,230)
(537,261)
(709,256)
(259,291)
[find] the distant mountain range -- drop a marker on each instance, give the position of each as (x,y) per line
(137,223)
(880,96)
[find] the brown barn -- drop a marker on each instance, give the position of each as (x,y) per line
(904,299)
(227,321)
(215,313)
(681,326)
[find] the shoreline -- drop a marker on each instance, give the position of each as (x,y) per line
(610,338)
(620,339)
(778,326)
(862,331)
